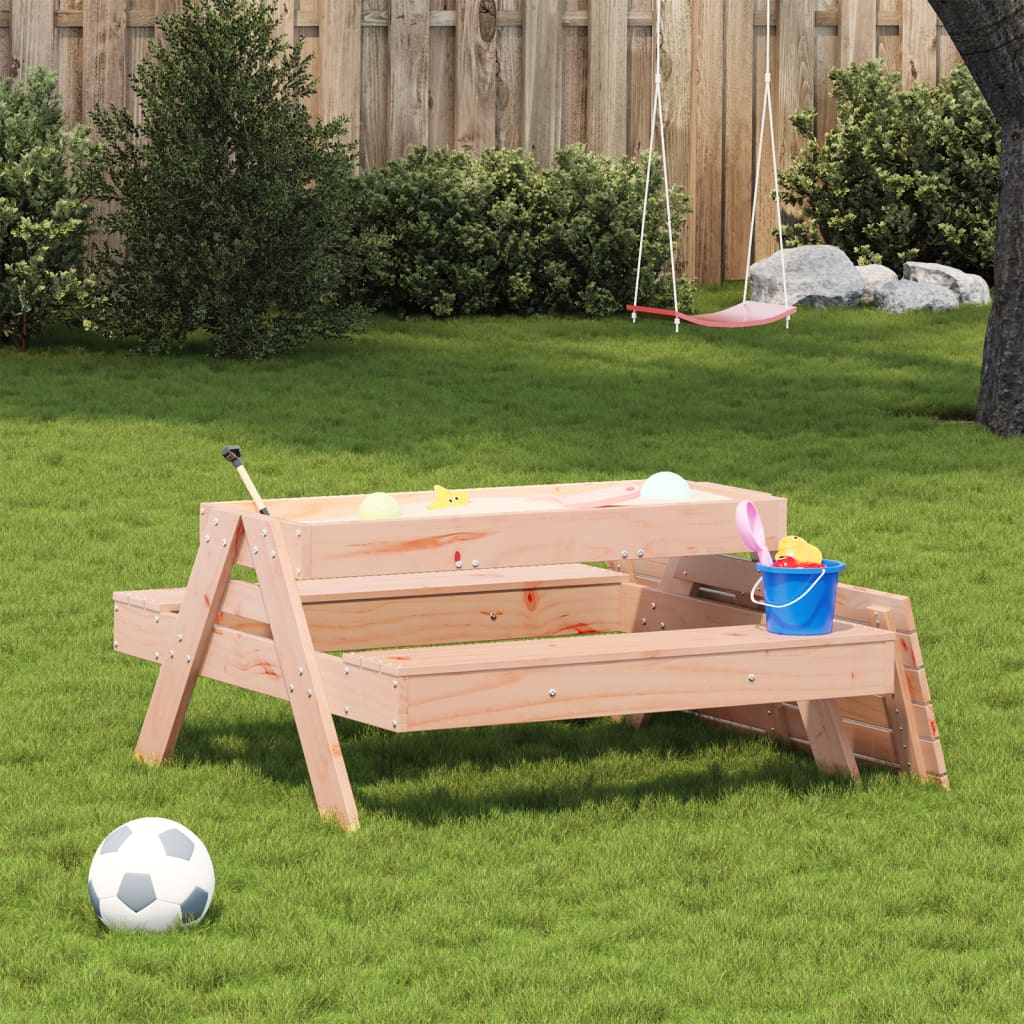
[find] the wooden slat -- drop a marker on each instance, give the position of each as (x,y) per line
(542,78)
(341,62)
(375,97)
(409,62)
(827,735)
(607,79)
(740,139)
(795,74)
(509,75)
(917,43)
(32,36)
(708,138)
(538,680)
(857,31)
(104,56)
(476,82)
(441,90)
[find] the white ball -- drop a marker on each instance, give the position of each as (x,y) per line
(665,486)
(151,874)
(379,506)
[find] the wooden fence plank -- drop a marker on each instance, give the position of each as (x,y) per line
(510,75)
(796,75)
(409,58)
(857,31)
(374,86)
(442,75)
(677,92)
(104,56)
(607,79)
(341,61)
(708,54)
(32,39)
(917,43)
(476,74)
(542,78)
(740,139)
(575,49)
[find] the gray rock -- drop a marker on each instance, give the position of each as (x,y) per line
(816,275)
(902,296)
(874,276)
(967,287)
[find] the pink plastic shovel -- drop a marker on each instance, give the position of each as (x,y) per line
(751,531)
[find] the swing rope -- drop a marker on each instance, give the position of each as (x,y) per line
(747,313)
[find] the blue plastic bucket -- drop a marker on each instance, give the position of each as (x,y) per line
(799,602)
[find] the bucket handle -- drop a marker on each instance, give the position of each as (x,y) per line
(777,607)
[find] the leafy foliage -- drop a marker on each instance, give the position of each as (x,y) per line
(44,218)
(232,207)
(501,234)
(905,175)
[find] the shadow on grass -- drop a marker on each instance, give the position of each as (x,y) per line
(431,777)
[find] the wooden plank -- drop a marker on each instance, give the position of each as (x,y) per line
(796,78)
(827,47)
(858,31)
(574,97)
(409,64)
(708,138)
(32,36)
(542,78)
(918,43)
(375,86)
(476,75)
(104,54)
(509,75)
(890,14)
(826,733)
(441,88)
(607,77)
(160,8)
(539,680)
(285,11)
(299,667)
(178,673)
(740,139)
(640,88)
(949,55)
(341,62)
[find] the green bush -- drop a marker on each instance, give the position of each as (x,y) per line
(500,234)
(905,175)
(44,218)
(233,212)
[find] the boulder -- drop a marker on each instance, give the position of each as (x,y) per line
(967,287)
(901,296)
(874,276)
(816,275)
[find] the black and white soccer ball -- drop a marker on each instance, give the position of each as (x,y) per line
(151,874)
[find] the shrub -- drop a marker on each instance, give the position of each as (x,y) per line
(232,208)
(44,218)
(502,235)
(908,175)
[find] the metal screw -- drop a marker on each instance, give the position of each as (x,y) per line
(216,520)
(654,604)
(458,565)
(346,670)
(156,618)
(309,693)
(115,645)
(224,543)
(394,684)
(494,616)
(394,723)
(188,658)
(663,625)
(157,655)
(264,531)
(476,563)
(640,553)
(291,688)
(751,678)
(255,550)
(346,709)
(298,533)
(552,693)
(643,621)
(625,554)
(300,670)
(179,638)
(171,653)
(206,538)
(273,554)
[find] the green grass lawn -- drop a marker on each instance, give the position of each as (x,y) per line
(553,872)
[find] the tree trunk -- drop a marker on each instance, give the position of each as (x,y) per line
(990,37)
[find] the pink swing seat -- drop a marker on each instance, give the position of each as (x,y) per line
(743,314)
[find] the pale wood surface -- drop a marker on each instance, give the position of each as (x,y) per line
(828,737)
(299,666)
(340,73)
(607,80)
(918,40)
(476,57)
(180,664)
(409,51)
(32,36)
(542,77)
(740,149)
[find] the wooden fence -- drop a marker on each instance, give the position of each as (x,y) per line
(537,74)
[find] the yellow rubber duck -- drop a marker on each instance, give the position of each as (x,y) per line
(797,548)
(443,498)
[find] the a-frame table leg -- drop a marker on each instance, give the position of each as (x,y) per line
(180,665)
(300,671)
(830,743)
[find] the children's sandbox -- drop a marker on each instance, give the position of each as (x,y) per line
(492,611)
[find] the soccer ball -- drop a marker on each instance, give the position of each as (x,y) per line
(151,874)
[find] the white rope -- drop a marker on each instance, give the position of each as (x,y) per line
(657,116)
